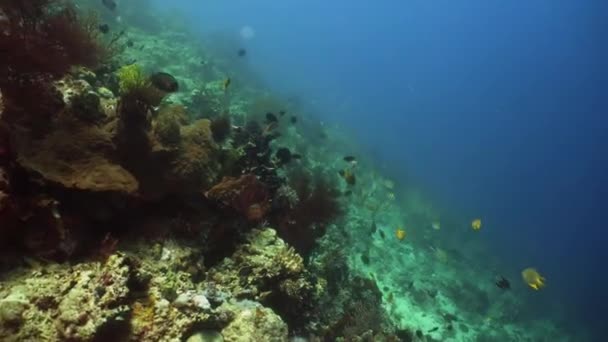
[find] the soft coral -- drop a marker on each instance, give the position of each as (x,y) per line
(318,206)
(39,42)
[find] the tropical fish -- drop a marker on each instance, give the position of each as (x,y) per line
(282,113)
(104,28)
(109,4)
(476,224)
(400,234)
(436,225)
(349,159)
(241,52)
(270,117)
(503,283)
(533,278)
(365,258)
(374,227)
(226,84)
(382,234)
(164,82)
(348,176)
(293,119)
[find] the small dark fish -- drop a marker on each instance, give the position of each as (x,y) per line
(382,235)
(433,330)
(109,4)
(348,192)
(104,28)
(374,227)
(296,156)
(282,113)
(293,119)
(270,118)
(241,52)
(283,154)
(164,82)
(365,258)
(503,283)
(130,43)
(349,159)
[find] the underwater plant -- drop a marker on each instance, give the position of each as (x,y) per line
(135,85)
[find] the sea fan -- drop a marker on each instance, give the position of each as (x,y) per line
(317,207)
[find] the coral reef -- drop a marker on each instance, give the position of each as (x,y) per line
(74,304)
(267,270)
(255,323)
(135,201)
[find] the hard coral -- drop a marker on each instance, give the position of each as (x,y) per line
(245,195)
(167,124)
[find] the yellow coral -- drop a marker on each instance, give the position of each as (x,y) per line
(132,77)
(143,312)
(136,86)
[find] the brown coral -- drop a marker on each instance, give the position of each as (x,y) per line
(245,195)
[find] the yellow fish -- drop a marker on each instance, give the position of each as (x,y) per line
(226,84)
(476,224)
(400,234)
(533,278)
(436,225)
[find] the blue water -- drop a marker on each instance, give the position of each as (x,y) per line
(498,109)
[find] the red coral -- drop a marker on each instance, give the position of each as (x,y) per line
(245,195)
(38,45)
(318,206)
